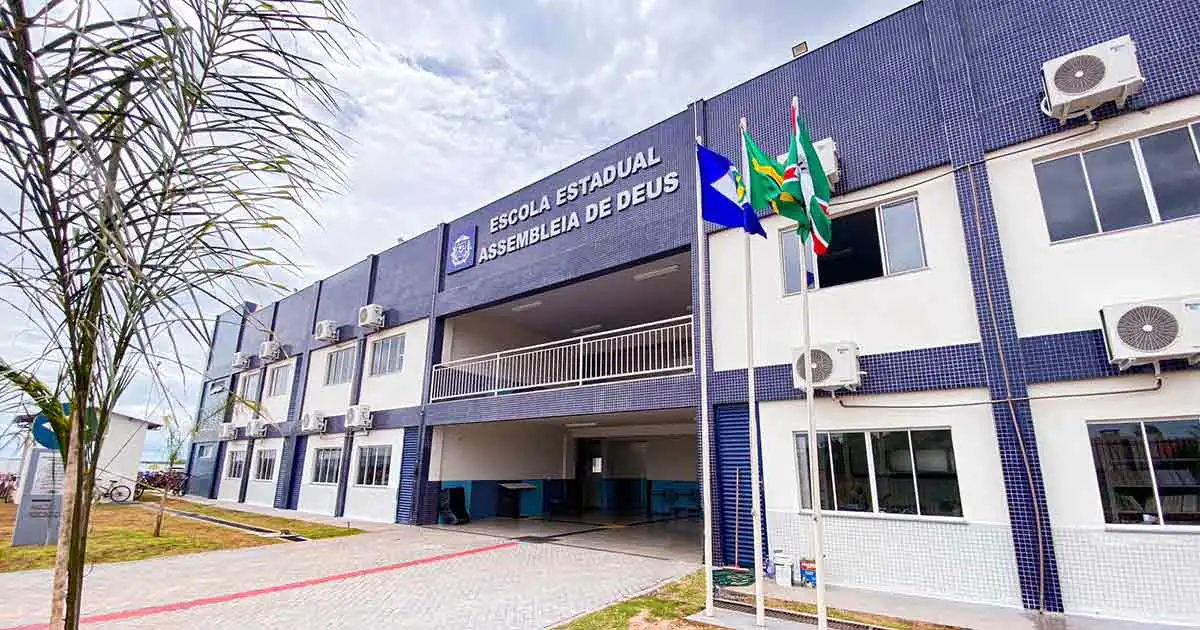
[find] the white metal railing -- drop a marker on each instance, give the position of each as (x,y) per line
(653,349)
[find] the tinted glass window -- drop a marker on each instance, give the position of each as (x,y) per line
(937,475)
(1123,472)
(1174,173)
(1116,187)
(902,236)
(1065,200)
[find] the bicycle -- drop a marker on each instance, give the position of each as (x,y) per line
(116,492)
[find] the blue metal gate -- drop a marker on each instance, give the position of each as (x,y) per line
(731,428)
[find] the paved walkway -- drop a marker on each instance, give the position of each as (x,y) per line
(398,577)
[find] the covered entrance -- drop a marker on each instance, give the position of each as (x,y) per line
(618,482)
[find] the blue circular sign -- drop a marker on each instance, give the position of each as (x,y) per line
(43,434)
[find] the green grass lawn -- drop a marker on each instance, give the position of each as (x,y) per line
(125,532)
(668,607)
(304,528)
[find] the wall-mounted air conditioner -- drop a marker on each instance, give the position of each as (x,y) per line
(270,350)
(1079,82)
(327,330)
(241,361)
(826,152)
(312,422)
(227,432)
(1138,333)
(371,316)
(256,428)
(358,417)
(834,366)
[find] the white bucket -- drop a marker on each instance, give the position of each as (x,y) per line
(783,569)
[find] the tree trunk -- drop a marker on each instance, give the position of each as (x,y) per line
(162,508)
(60,603)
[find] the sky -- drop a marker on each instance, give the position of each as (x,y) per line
(452,104)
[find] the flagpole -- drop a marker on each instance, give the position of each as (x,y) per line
(760,617)
(813,468)
(705,442)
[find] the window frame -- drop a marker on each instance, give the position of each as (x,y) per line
(336,468)
(374,450)
(877,209)
(204,451)
(1191,127)
(269,390)
(403,343)
(803,484)
(244,381)
(236,457)
(258,464)
(329,361)
(1161,525)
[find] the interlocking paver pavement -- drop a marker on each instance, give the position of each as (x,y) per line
(520,586)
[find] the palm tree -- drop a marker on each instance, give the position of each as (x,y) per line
(148,162)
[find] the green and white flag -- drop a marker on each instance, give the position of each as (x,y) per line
(804,179)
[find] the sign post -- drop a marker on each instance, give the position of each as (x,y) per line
(41,499)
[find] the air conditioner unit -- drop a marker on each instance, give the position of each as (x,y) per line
(1154,330)
(227,432)
(1080,82)
(358,417)
(312,422)
(327,330)
(270,350)
(241,361)
(826,152)
(371,316)
(256,428)
(834,366)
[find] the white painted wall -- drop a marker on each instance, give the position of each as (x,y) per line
(230,487)
(402,388)
(375,503)
(672,459)
(473,335)
(969,559)
(122,450)
(1095,560)
(318,498)
(275,408)
(243,407)
(1061,287)
(263,492)
(496,451)
(882,315)
(331,400)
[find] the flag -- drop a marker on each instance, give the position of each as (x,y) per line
(766,181)
(723,193)
(804,177)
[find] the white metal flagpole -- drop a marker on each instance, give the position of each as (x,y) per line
(705,442)
(814,469)
(760,617)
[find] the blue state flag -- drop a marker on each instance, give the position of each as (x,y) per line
(723,193)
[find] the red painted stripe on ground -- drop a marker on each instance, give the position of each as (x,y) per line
(220,599)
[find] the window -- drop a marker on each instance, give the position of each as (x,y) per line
(249,387)
(279,380)
(387,355)
(339,368)
(1148,471)
(1136,182)
(873,243)
(216,387)
(895,472)
(237,464)
(204,451)
(264,467)
(327,465)
(374,465)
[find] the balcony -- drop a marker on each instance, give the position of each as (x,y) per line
(654,349)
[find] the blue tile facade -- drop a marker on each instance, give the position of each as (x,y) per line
(941,82)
